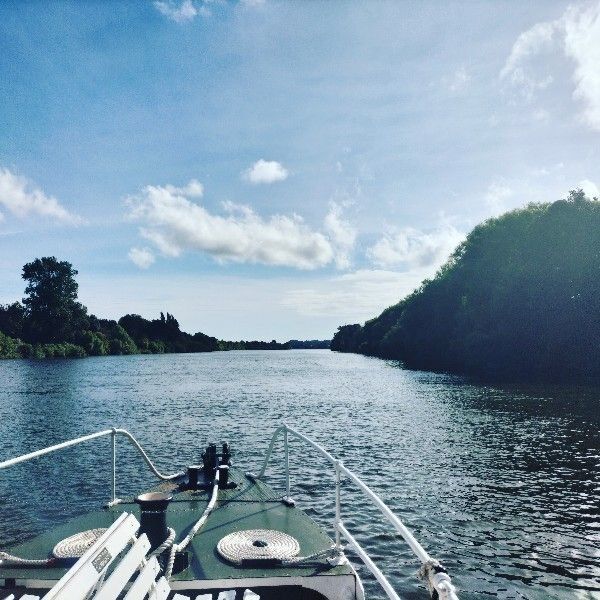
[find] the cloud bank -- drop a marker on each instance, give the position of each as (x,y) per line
(576,34)
(173,224)
(22,198)
(411,248)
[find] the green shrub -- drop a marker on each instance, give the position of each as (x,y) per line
(9,348)
(95,344)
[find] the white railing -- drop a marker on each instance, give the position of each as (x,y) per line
(437,578)
(113,432)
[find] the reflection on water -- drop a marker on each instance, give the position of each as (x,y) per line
(500,483)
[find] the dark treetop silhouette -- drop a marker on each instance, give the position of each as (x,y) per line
(50,322)
(519,298)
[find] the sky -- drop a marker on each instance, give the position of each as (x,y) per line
(272,170)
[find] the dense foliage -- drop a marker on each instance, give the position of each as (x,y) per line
(51,323)
(520,297)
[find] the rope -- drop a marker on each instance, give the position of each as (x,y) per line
(330,552)
(437,580)
(268,545)
(257,544)
(165,545)
(71,547)
(17,561)
(199,523)
(76,545)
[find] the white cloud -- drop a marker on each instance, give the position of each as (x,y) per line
(459,80)
(590,188)
(495,197)
(354,297)
(141,257)
(183,13)
(541,115)
(174,224)
(342,234)
(265,171)
(413,249)
(193,189)
(582,44)
(576,34)
(22,198)
(533,41)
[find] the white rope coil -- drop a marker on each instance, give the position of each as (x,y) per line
(253,544)
(76,545)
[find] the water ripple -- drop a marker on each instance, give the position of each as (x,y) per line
(500,483)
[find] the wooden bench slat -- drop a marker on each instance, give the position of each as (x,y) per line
(78,581)
(139,588)
(161,591)
(123,572)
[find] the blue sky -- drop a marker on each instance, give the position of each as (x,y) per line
(268,169)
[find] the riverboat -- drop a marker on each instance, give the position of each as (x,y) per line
(210,532)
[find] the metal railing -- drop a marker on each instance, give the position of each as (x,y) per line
(437,578)
(113,432)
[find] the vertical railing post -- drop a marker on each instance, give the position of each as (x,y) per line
(287,499)
(113,439)
(338,557)
(338,511)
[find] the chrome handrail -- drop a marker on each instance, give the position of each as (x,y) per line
(438,579)
(113,432)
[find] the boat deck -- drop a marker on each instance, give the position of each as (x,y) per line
(251,505)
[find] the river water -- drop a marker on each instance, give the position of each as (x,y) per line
(500,483)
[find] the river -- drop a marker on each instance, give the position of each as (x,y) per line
(500,483)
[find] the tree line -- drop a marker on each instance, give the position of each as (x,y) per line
(50,322)
(519,298)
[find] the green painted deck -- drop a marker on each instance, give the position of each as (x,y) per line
(251,505)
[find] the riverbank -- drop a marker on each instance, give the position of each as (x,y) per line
(517,300)
(51,323)
(14,348)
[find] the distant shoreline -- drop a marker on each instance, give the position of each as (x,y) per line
(51,323)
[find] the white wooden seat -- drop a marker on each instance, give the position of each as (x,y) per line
(87,580)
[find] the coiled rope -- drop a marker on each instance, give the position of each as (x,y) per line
(76,545)
(268,546)
(257,544)
(71,547)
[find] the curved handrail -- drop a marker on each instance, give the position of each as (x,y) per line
(86,438)
(441,583)
(113,432)
(145,456)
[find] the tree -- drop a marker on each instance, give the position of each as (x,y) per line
(51,308)
(519,298)
(12,317)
